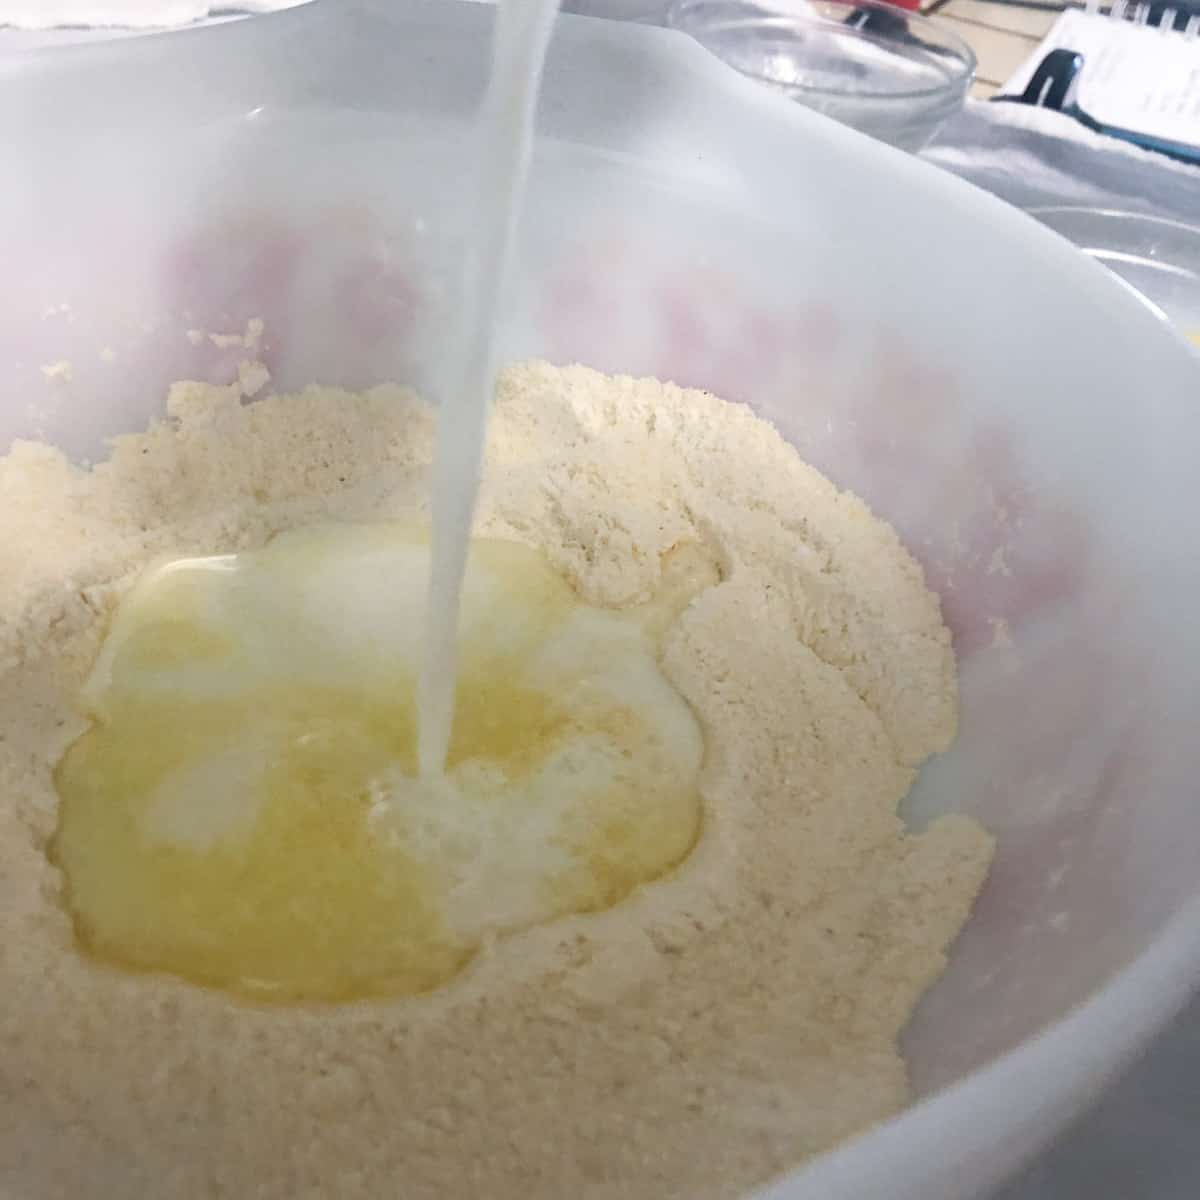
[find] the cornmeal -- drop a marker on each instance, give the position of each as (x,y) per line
(710,1030)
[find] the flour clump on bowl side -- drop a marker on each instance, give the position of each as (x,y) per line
(709,1030)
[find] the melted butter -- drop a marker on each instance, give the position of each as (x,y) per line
(244,811)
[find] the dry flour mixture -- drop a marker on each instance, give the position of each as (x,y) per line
(709,1029)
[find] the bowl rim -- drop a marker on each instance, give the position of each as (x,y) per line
(1118,217)
(954,46)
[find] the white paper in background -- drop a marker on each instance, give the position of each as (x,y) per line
(1138,77)
(124,14)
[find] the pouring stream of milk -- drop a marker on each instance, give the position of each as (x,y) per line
(504,136)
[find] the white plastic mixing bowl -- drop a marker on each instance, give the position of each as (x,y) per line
(1028,426)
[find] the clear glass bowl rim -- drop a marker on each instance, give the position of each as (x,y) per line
(682,15)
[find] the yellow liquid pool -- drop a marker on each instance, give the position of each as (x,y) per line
(244,811)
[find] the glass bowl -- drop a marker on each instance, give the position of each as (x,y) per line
(1158,258)
(890,73)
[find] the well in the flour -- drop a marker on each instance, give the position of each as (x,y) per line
(245,810)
